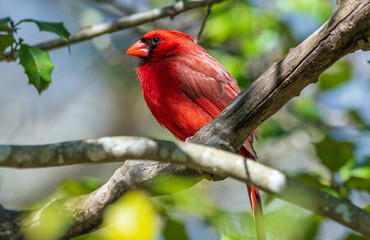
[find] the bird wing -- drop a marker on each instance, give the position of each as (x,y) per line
(207,83)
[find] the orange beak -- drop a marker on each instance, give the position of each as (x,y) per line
(139,49)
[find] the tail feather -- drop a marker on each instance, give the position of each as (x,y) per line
(256,204)
(254,193)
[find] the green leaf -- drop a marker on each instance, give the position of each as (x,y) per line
(353,236)
(334,154)
(357,120)
(232,225)
(313,227)
(57,28)
(358,183)
(4,25)
(174,230)
(37,66)
(289,222)
(5,41)
(74,188)
(271,128)
(367,208)
(54,219)
(338,74)
(307,108)
(311,178)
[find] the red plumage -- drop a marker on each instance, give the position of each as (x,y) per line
(185,88)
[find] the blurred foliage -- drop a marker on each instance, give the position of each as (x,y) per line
(53,221)
(242,44)
(317,9)
(306,108)
(246,37)
(337,75)
(74,188)
(334,154)
(36,62)
(174,230)
(132,217)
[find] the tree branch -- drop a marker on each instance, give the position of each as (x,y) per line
(87,209)
(346,31)
(91,31)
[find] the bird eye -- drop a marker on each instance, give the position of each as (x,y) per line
(155,40)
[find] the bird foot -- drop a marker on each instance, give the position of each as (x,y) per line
(188,139)
(212,177)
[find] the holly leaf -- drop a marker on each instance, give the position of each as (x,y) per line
(54,27)
(5,41)
(37,66)
(334,154)
(4,25)
(57,28)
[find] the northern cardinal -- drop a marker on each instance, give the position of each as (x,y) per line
(185,88)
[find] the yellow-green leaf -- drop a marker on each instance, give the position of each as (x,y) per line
(37,66)
(132,217)
(53,221)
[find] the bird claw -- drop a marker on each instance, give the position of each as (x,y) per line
(188,139)
(212,177)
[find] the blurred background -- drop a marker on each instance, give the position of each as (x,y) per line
(321,138)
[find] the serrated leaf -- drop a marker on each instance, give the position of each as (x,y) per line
(5,41)
(4,25)
(334,154)
(174,230)
(54,27)
(37,66)
(57,28)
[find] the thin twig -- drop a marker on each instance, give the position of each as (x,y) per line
(91,31)
(204,21)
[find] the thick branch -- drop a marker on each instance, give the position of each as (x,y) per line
(91,31)
(87,209)
(347,30)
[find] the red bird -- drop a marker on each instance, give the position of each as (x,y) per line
(185,88)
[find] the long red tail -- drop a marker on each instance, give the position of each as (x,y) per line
(255,200)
